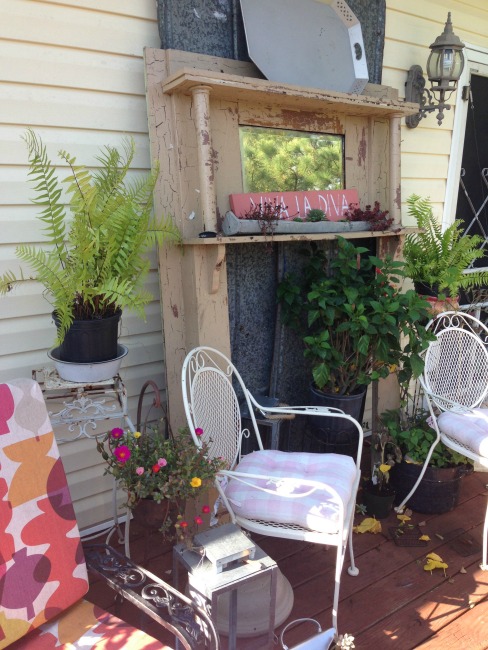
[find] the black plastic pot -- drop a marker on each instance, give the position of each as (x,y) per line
(334,435)
(425,289)
(438,490)
(90,341)
(378,504)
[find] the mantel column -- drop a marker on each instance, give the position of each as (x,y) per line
(205,154)
(395,169)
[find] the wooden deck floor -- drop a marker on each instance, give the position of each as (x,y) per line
(393,602)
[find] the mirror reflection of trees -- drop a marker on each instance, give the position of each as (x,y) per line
(280,160)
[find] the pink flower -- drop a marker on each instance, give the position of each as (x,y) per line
(140,471)
(122,453)
(199,431)
(198,520)
(162,462)
(205,509)
(117,433)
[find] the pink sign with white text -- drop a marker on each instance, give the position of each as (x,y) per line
(296,204)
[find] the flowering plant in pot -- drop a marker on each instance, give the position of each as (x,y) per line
(93,259)
(165,470)
(377,493)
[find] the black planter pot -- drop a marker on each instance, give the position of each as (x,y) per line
(90,341)
(378,504)
(438,491)
(334,435)
(426,289)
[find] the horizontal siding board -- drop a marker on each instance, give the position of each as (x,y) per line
(140,9)
(84,144)
(426,166)
(43,106)
(71,27)
(41,65)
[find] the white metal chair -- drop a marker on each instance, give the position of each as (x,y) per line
(455,384)
(295,495)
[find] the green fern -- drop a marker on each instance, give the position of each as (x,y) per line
(441,258)
(95,262)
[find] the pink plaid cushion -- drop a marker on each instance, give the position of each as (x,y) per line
(470,429)
(316,511)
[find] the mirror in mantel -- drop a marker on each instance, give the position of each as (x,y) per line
(287,161)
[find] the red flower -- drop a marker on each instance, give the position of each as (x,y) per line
(199,431)
(198,520)
(156,468)
(122,453)
(117,433)
(184,524)
(205,509)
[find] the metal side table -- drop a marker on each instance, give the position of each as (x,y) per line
(206,583)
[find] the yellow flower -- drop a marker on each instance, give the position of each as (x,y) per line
(384,468)
(196,482)
(137,434)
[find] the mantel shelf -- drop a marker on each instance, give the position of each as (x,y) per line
(262,239)
(235,87)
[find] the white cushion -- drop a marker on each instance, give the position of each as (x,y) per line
(469,429)
(316,511)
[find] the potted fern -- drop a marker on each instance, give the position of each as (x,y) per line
(93,260)
(436,261)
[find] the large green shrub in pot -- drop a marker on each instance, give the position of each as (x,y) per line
(355,320)
(93,260)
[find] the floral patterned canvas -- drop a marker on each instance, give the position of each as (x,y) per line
(42,568)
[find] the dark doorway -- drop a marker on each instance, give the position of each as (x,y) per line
(472,204)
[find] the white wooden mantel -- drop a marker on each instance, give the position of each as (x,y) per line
(196,104)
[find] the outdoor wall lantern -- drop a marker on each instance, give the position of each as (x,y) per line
(444,67)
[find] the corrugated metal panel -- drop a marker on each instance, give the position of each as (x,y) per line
(74,72)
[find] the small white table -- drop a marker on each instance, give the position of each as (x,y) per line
(204,580)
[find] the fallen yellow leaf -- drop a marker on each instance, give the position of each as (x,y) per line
(434,561)
(424,538)
(368,525)
(403,517)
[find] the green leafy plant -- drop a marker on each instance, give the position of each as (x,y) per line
(356,323)
(414,435)
(150,465)
(314,215)
(439,259)
(93,261)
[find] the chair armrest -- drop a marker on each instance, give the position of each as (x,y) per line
(160,601)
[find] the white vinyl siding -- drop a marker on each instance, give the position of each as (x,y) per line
(410,29)
(73,71)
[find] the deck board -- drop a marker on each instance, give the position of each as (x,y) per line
(392,603)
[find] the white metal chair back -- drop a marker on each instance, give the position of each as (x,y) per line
(456,363)
(211,403)
(455,383)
